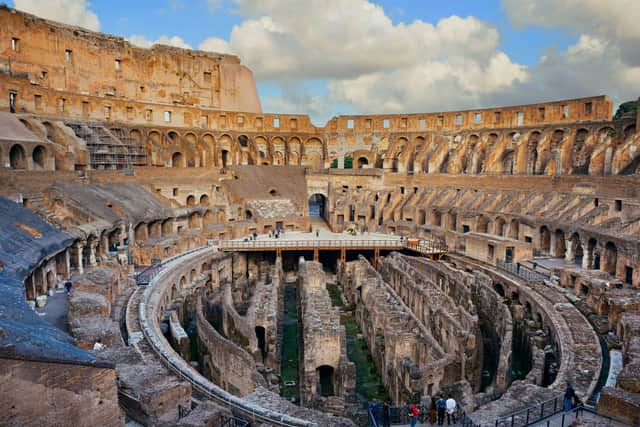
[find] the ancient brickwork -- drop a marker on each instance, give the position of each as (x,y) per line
(327,378)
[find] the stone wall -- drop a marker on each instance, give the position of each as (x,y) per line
(35,393)
(327,377)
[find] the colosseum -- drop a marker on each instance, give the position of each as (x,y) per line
(171,255)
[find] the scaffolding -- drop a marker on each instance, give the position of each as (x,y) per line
(110,148)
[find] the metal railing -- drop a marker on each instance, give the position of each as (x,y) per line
(233,422)
(521,271)
(399,415)
(419,245)
(530,415)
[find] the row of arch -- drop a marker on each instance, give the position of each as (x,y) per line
(19,158)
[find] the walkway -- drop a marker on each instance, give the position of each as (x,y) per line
(55,310)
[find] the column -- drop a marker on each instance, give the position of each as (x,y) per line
(587,255)
(79,247)
(552,245)
(570,255)
(92,253)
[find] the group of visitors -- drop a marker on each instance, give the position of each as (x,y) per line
(434,414)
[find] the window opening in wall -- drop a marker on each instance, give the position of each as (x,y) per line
(15,44)
(117,64)
(85,108)
(528,239)
(465,229)
(129,113)
(175,191)
(440,120)
(345,188)
(478,118)
(415,190)
(107,111)
(352,213)
(403,122)
(43,74)
(222,120)
(37,101)
(167,116)
(258,122)
(240,120)
(12,101)
(423,124)
(61,103)
(628,275)
(207,76)
(293,123)
(497,116)
(350,124)
(68,55)
(596,202)
(508,255)
(367,123)
(148,115)
(491,251)
(541,113)
(565,111)
(204,121)
(520,118)
(618,205)
(588,108)
(458,119)
(276,122)
(385,123)
(401,190)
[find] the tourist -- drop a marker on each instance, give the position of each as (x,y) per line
(442,406)
(68,285)
(413,413)
(98,345)
(386,414)
(451,410)
(433,411)
(317,232)
(569,395)
(255,236)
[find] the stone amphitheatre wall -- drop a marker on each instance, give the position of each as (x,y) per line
(64,59)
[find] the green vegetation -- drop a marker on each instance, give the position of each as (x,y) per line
(625,107)
(368,382)
(289,364)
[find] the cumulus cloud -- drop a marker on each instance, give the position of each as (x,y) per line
(215,44)
(175,41)
(73,12)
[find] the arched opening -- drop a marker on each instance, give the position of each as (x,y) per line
(141,232)
(324,376)
(208,217)
(514,229)
(195,220)
(17,157)
(177,160)
(499,289)
(363,162)
(508,163)
(191,200)
(499,228)
(51,281)
(193,275)
(243,140)
(610,258)
(39,156)
(436,218)
(545,239)
(167,227)
(262,340)
(317,205)
(204,200)
(248,214)
(225,158)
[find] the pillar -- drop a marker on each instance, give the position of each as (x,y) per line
(587,255)
(570,255)
(552,245)
(92,253)
(43,278)
(79,247)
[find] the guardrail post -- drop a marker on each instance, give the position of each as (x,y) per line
(542,410)
(527,422)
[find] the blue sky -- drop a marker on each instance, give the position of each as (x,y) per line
(327,57)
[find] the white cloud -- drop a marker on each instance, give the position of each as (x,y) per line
(214,44)
(142,41)
(73,12)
